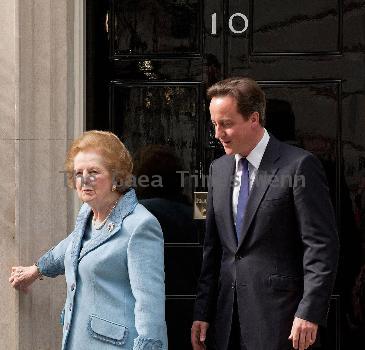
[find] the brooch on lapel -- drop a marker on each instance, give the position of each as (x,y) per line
(111,226)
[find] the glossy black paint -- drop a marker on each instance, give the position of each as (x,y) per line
(142,28)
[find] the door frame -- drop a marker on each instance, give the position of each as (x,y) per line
(79,82)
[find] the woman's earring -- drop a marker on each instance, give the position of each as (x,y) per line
(114,187)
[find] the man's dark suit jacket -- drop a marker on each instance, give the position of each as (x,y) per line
(285,262)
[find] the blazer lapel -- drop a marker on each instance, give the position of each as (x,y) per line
(124,207)
(79,233)
(98,241)
(227,202)
(263,179)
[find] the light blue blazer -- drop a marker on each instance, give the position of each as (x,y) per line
(115,282)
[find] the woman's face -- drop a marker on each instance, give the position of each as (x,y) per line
(93,180)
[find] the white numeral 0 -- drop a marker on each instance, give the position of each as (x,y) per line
(230,23)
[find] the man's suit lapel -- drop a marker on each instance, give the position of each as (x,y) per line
(228,179)
(263,179)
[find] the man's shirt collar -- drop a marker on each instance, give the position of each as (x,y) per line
(255,156)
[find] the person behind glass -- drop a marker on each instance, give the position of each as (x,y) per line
(271,244)
(113,261)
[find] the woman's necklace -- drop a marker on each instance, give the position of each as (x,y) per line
(101,224)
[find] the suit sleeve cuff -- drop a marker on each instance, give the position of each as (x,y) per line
(50,267)
(142,343)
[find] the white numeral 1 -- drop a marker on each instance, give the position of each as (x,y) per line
(214,23)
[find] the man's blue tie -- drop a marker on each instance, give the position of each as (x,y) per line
(242,197)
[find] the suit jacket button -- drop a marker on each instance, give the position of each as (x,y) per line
(73,287)
(238,257)
(233,285)
(70,307)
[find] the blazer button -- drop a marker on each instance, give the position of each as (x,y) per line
(233,285)
(73,287)
(70,307)
(238,257)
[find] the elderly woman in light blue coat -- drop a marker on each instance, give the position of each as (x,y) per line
(112,261)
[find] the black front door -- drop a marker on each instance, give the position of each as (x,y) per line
(148,66)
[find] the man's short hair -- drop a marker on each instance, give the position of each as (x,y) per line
(248,94)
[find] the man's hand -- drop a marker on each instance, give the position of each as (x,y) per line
(199,334)
(303,333)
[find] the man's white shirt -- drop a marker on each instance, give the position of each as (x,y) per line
(254,159)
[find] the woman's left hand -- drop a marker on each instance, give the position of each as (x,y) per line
(23,276)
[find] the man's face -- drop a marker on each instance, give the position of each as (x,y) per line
(236,134)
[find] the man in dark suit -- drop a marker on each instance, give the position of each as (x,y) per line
(271,245)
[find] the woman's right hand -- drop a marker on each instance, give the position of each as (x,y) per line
(23,276)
